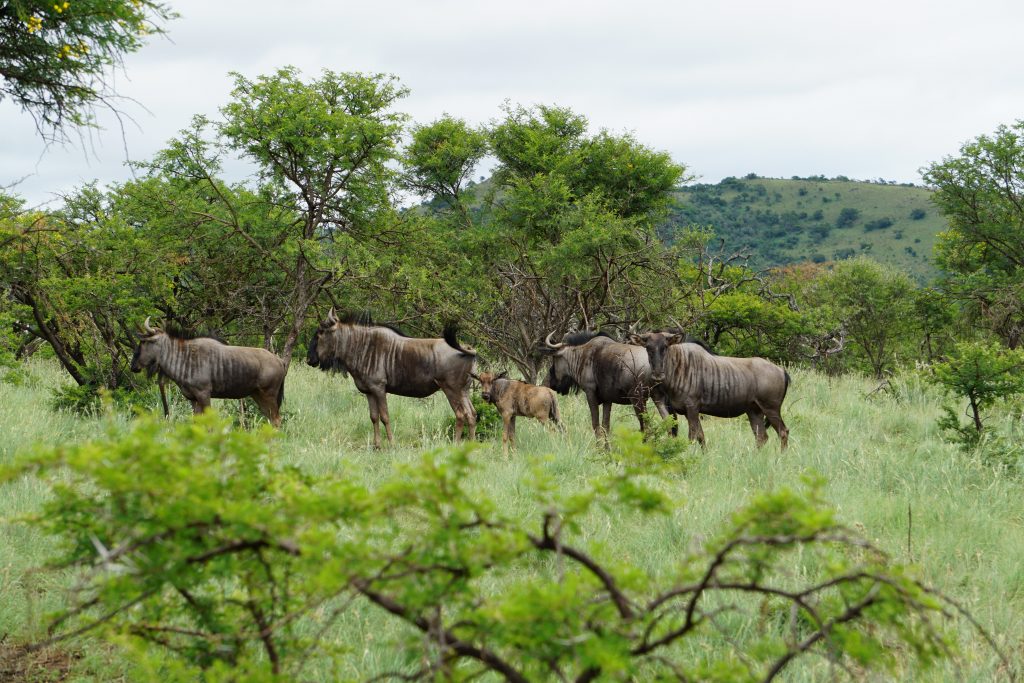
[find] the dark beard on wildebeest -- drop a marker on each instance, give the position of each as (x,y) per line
(330,365)
(564,387)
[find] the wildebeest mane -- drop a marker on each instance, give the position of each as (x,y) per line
(365,319)
(699,342)
(176,331)
(581,338)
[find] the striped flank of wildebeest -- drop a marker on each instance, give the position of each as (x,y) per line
(382,361)
(695,380)
(205,368)
(606,371)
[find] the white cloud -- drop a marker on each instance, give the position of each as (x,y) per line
(868,89)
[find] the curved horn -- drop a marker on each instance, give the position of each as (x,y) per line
(146,326)
(331,316)
(550,344)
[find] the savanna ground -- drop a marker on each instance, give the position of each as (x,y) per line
(881,455)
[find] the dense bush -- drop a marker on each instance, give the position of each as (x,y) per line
(847,217)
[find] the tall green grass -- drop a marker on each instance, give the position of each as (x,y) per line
(889,474)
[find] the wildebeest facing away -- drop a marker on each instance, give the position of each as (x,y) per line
(382,360)
(513,398)
(605,370)
(695,381)
(205,368)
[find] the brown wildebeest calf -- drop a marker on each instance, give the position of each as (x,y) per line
(513,398)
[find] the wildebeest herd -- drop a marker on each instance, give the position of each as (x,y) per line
(681,377)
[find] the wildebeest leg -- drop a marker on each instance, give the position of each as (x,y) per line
(696,430)
(470,417)
(268,406)
(756,418)
(606,419)
(458,404)
(594,423)
(640,409)
(774,418)
(200,403)
(506,432)
(163,394)
(385,417)
(371,399)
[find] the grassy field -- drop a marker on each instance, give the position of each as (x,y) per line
(785,221)
(880,455)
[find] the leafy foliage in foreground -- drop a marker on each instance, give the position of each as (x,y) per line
(192,542)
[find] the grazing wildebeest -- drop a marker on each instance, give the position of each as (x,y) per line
(513,398)
(382,360)
(695,381)
(205,368)
(605,370)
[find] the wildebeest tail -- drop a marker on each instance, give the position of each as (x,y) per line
(786,388)
(450,333)
(280,395)
(553,413)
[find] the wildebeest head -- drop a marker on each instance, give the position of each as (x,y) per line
(325,346)
(487,380)
(148,350)
(657,344)
(559,377)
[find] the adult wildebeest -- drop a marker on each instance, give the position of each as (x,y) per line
(605,370)
(695,381)
(513,398)
(205,368)
(382,360)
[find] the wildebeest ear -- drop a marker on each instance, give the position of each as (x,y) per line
(676,339)
(637,339)
(474,376)
(502,375)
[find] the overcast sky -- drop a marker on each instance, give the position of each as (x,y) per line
(865,89)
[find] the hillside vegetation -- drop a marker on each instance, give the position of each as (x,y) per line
(815,219)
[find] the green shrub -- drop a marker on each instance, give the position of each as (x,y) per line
(847,217)
(192,542)
(488,420)
(878,224)
(89,399)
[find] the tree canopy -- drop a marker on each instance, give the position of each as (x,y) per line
(57,57)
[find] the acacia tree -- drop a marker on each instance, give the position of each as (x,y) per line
(323,187)
(56,56)
(867,305)
(564,238)
(75,278)
(981,194)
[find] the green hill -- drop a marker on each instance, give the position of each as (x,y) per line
(816,219)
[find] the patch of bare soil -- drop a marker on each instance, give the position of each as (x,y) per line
(51,665)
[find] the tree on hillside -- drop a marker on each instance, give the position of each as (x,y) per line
(981,194)
(57,56)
